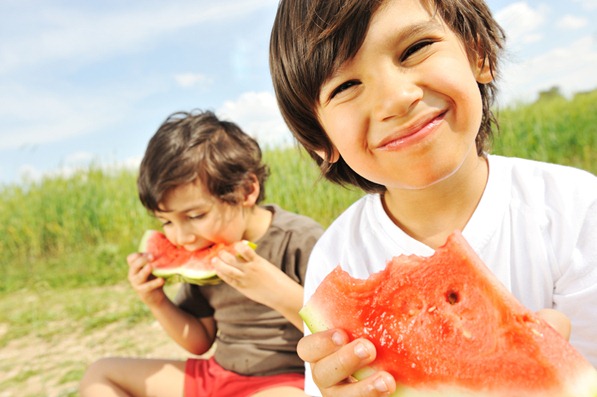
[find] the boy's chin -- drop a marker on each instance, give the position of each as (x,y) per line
(422,182)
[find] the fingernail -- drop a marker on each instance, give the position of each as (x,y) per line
(337,339)
(380,385)
(361,351)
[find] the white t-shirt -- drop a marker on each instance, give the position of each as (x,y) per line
(535,227)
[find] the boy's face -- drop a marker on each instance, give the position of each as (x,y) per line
(405,111)
(194,219)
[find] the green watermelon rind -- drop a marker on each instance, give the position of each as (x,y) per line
(178,274)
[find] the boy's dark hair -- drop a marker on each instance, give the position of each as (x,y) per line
(312,38)
(197,146)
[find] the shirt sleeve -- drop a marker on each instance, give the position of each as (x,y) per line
(190,299)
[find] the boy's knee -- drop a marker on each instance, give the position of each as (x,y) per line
(96,374)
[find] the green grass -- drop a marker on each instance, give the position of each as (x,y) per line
(554,130)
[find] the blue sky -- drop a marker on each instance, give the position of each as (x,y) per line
(90,81)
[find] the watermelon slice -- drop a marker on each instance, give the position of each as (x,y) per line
(445,326)
(172,262)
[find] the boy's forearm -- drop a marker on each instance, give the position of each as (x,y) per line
(189,332)
(290,303)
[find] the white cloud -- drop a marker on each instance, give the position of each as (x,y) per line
(557,67)
(75,162)
(96,34)
(187,80)
(29,173)
(30,116)
(258,115)
(50,117)
(79,158)
(522,22)
(571,22)
(587,4)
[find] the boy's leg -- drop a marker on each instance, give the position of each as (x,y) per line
(119,376)
(285,391)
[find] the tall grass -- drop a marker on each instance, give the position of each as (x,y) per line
(554,129)
(295,184)
(74,231)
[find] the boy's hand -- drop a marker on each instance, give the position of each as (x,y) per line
(333,359)
(148,288)
(249,273)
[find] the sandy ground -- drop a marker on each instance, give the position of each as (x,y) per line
(33,367)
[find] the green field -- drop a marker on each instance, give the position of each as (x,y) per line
(64,240)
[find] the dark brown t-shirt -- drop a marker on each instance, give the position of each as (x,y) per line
(254,339)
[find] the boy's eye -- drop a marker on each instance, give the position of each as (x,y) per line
(343,87)
(414,48)
(196,216)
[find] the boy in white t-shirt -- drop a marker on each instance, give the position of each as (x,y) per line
(395,97)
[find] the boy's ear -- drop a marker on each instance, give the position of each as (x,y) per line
(252,190)
(483,72)
(332,159)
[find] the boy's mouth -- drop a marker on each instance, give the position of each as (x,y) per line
(412,133)
(193,248)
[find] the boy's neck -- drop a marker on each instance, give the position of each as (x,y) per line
(258,221)
(429,215)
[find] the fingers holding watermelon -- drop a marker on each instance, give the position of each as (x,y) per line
(334,359)
(148,287)
(242,268)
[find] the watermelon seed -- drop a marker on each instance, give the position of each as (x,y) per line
(452,297)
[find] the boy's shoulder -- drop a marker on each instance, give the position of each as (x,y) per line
(285,219)
(545,185)
(544,172)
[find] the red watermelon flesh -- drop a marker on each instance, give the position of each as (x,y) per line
(445,326)
(171,261)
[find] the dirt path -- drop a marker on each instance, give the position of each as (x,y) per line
(36,367)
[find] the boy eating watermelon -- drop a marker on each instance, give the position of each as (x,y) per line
(203,178)
(394,96)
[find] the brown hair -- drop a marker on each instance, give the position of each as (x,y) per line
(312,38)
(198,146)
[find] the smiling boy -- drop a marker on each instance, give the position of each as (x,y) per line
(395,97)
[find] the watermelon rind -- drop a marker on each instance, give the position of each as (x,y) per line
(143,243)
(183,274)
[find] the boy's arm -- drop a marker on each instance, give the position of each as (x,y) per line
(261,281)
(193,334)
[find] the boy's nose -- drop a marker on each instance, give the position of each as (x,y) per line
(395,95)
(184,236)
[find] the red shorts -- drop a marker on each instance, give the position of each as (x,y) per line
(205,378)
